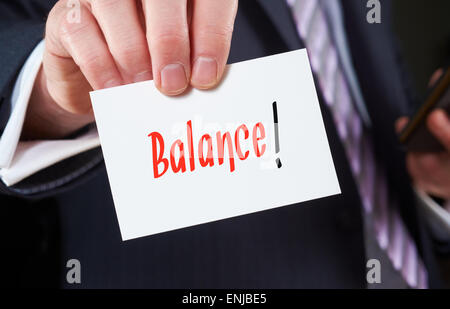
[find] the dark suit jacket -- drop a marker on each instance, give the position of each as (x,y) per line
(69,211)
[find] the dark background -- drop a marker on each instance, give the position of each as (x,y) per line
(423,30)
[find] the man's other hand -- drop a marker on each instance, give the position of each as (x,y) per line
(431,171)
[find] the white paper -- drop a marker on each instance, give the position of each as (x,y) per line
(146,205)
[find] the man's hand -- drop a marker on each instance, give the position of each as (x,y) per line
(431,172)
(115,42)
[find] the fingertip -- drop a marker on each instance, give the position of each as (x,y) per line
(441,114)
(437,120)
(173,79)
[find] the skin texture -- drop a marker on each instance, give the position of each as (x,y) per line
(431,172)
(177,43)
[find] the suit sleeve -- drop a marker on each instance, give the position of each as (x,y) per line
(22,25)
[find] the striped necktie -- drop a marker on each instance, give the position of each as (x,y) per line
(379,206)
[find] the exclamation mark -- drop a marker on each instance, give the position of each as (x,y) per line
(277,139)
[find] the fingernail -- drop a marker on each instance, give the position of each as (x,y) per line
(143,76)
(173,78)
(204,73)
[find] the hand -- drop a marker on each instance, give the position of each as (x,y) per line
(115,42)
(431,172)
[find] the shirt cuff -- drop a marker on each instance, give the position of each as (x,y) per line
(438,217)
(18,159)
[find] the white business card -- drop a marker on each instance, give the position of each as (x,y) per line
(255,142)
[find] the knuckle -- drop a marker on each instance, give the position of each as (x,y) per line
(51,26)
(169,37)
(54,12)
(56,17)
(92,63)
(104,4)
(129,52)
(221,33)
(68,30)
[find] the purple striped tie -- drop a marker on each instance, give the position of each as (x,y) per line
(390,231)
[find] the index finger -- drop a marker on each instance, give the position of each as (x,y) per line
(168,40)
(211,32)
(439,124)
